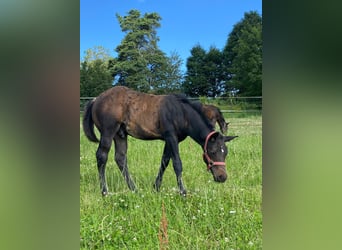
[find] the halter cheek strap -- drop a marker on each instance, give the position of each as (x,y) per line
(211,163)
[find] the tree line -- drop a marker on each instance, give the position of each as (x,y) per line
(236,70)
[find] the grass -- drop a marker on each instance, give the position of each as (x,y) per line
(212,215)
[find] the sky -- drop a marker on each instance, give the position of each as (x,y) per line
(184,24)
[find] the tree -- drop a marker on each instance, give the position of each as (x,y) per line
(243,56)
(205,73)
(140,62)
(214,71)
(171,78)
(195,83)
(95,76)
(97,53)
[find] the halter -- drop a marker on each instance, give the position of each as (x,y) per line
(211,163)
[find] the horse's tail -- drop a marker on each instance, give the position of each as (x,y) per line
(88,123)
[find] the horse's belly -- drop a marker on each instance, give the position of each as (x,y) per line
(142,132)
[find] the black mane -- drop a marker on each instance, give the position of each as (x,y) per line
(197,106)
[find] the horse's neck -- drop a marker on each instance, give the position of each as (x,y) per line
(199,130)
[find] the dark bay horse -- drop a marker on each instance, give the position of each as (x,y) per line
(120,111)
(214,115)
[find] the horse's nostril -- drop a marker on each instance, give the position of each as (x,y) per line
(223,178)
(220,178)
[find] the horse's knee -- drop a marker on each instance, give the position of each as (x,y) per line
(177,166)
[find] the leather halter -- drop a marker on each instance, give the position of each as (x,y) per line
(211,163)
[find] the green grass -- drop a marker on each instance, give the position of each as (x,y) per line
(212,215)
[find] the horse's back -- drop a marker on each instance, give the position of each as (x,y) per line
(143,115)
(137,112)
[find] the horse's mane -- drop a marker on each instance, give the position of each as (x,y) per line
(195,105)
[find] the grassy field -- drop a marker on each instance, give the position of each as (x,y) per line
(212,216)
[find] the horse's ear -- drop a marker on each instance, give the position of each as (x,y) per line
(229,138)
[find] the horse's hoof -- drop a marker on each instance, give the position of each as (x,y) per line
(183,193)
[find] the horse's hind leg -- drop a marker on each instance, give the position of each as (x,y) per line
(120,140)
(101,157)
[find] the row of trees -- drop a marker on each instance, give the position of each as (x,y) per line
(141,65)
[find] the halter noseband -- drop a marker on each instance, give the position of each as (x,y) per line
(211,163)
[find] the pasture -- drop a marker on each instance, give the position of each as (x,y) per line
(212,216)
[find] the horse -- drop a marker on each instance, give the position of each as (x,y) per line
(214,115)
(120,111)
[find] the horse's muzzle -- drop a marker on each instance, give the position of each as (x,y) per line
(219,173)
(220,178)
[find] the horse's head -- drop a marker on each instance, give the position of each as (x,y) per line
(215,153)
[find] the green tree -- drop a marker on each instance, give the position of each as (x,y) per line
(140,62)
(243,56)
(205,73)
(95,76)
(195,83)
(214,71)
(97,53)
(171,76)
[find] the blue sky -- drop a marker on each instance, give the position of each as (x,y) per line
(184,24)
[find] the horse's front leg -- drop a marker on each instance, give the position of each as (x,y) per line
(163,165)
(177,165)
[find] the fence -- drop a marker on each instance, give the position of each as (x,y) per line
(233,105)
